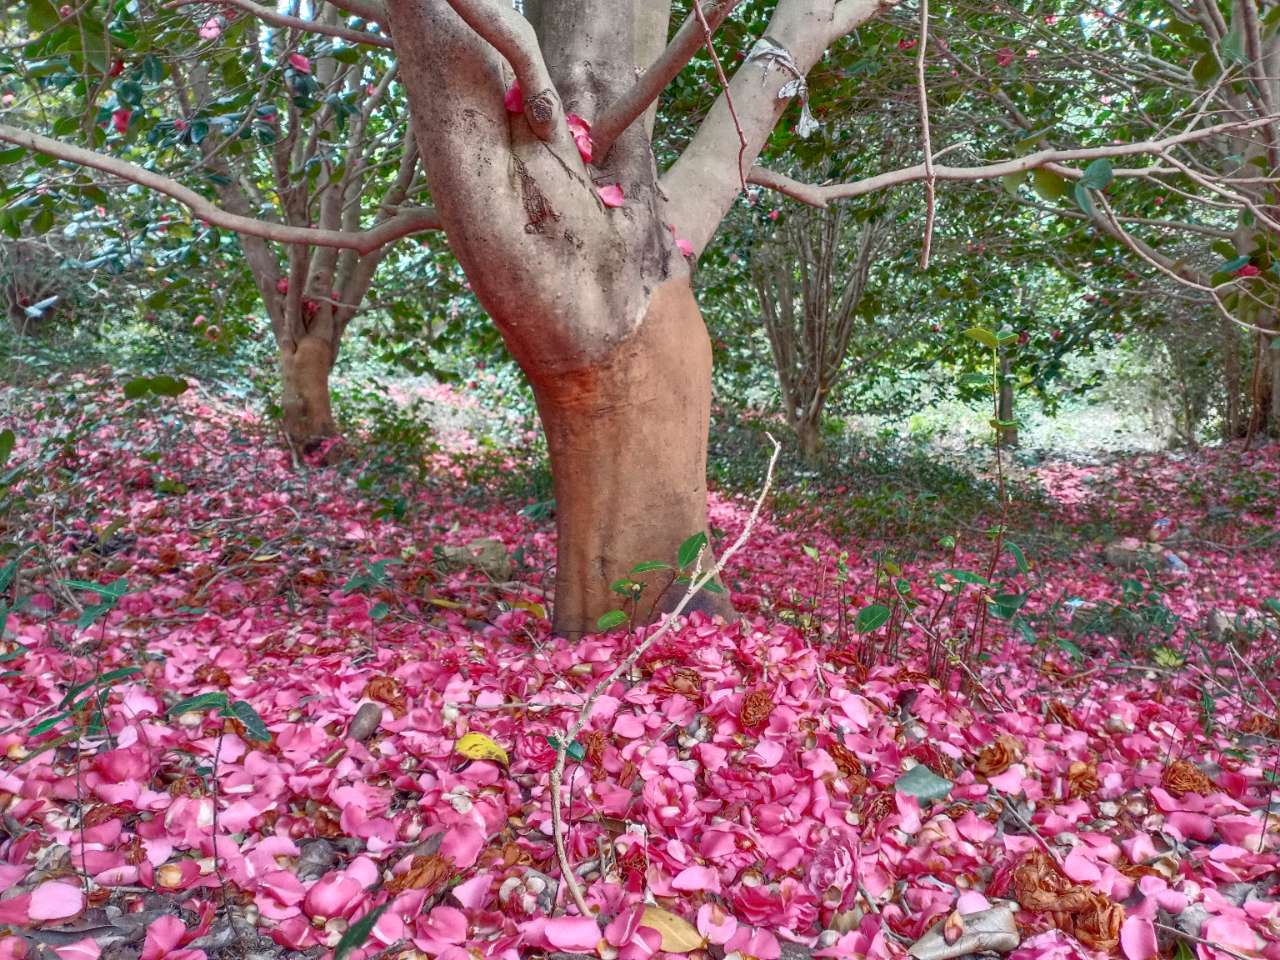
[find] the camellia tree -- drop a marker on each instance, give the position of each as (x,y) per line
(536,131)
(295,134)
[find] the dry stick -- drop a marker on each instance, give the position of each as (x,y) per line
(571,734)
(724,85)
(926,139)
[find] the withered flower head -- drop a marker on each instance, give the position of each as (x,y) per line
(996,758)
(756,707)
(1182,777)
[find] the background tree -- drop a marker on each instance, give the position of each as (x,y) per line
(810,278)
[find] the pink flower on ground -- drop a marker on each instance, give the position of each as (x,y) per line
(716,925)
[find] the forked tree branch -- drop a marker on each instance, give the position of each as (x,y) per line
(413,220)
(268,15)
(512,36)
(819,196)
(683,47)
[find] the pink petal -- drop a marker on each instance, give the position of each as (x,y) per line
(572,933)
(611,196)
(580,130)
(971,901)
(697,878)
(513,99)
(55,901)
(1138,939)
(86,949)
(474,892)
(463,843)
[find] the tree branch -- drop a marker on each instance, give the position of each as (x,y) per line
(268,15)
(414,220)
(820,196)
(512,36)
(684,46)
(365,9)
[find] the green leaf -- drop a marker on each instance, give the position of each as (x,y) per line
(379,611)
(923,784)
(614,618)
(871,618)
(359,932)
(213,700)
(964,576)
(1012,181)
(690,549)
(1083,200)
(810,552)
(254,728)
(1097,174)
(712,587)
(167,386)
(1205,70)
(137,388)
(1019,557)
(12,155)
(1048,185)
(44,726)
(1232,265)
(7,442)
(650,565)
(983,336)
(42,221)
(624,586)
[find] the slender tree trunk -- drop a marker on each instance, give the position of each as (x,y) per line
(628,444)
(304,378)
(1234,424)
(1004,406)
(809,434)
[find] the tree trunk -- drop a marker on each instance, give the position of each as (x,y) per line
(628,442)
(809,435)
(304,377)
(1004,406)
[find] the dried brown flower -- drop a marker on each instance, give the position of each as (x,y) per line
(1061,713)
(1092,918)
(756,707)
(1182,777)
(387,690)
(211,673)
(996,758)
(428,873)
(1082,779)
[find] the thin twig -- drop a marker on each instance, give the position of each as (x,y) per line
(926,138)
(724,85)
(571,734)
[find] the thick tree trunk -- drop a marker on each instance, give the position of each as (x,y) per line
(628,442)
(304,378)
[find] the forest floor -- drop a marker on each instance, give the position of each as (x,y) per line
(236,689)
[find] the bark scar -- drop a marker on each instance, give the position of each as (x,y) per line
(536,206)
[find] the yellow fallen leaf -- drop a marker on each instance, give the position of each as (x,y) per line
(678,934)
(442,602)
(537,609)
(476,746)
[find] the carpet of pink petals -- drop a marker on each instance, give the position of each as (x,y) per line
(743,778)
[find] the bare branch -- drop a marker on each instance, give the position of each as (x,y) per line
(683,47)
(413,220)
(512,36)
(926,138)
(819,196)
(268,15)
(365,9)
(851,14)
